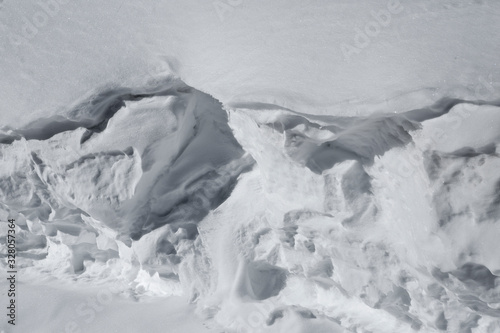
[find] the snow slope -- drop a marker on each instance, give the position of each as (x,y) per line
(262,161)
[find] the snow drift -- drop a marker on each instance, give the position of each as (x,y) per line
(268,219)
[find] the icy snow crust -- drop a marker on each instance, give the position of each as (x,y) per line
(266,218)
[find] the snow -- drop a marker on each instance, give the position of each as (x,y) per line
(47,308)
(251,166)
(285,52)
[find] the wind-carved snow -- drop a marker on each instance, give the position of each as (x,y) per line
(269,219)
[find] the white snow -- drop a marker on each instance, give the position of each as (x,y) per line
(251,166)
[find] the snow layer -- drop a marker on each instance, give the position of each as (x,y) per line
(295,174)
(293,53)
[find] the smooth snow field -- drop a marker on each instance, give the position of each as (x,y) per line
(250,166)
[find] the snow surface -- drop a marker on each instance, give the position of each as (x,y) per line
(234,166)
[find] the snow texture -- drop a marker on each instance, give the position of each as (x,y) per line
(235,189)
